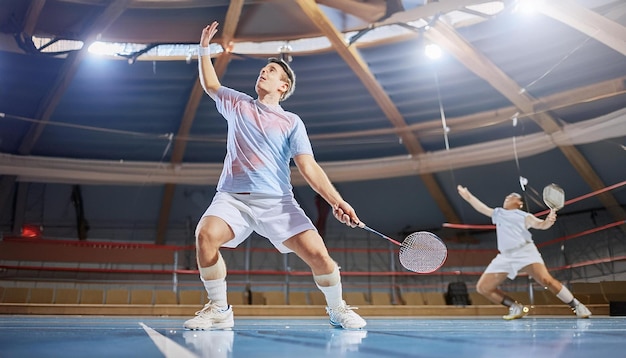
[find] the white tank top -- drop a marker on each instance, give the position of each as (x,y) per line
(511,228)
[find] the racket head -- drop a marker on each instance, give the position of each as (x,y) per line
(554,196)
(423,252)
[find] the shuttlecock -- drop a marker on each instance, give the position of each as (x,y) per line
(523,182)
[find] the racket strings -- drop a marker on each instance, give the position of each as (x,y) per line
(554,196)
(422,252)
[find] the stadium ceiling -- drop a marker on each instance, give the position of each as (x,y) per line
(106,92)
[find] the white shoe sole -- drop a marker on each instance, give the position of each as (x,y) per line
(524,312)
(338,325)
(219,326)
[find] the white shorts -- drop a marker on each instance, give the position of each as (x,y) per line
(511,262)
(276,218)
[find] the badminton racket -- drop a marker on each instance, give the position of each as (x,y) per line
(554,197)
(421,252)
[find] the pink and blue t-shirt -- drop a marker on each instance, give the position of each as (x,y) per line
(261,141)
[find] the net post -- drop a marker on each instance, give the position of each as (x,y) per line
(175,273)
(287,270)
(392,268)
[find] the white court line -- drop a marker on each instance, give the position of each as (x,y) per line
(167,346)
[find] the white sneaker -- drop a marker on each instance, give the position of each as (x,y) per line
(343,316)
(516,311)
(581,311)
(211,317)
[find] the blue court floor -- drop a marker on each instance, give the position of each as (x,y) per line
(88,336)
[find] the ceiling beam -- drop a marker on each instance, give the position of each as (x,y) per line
(556,101)
(445,36)
(365,11)
(180,144)
(67,72)
(354,60)
(32,16)
(169,4)
(588,22)
(428,10)
(65,76)
(581,95)
(7,182)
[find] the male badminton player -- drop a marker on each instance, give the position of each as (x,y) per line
(517,253)
(254,192)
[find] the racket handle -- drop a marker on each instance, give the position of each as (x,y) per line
(363,226)
(376,232)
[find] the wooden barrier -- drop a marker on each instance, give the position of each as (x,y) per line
(185,311)
(80,252)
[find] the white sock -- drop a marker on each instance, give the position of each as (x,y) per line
(333,294)
(566,296)
(216,291)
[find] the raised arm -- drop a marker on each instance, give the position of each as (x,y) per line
(536,223)
(318,180)
(474,202)
(208,77)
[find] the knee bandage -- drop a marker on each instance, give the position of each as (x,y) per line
(330,279)
(214,272)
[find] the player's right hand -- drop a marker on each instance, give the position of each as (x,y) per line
(208,33)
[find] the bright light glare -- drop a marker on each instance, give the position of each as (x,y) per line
(116,48)
(528,6)
(99,48)
(433,51)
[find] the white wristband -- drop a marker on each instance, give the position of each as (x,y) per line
(204,51)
